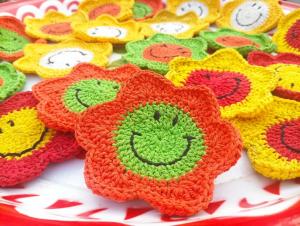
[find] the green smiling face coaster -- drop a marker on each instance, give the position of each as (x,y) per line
(11,80)
(164,129)
(157,51)
(242,42)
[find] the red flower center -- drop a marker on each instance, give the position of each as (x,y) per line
(164,52)
(229,87)
(236,41)
(111,9)
(293,35)
(57,29)
(285,139)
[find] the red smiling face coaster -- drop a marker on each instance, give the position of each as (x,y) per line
(12,38)
(26,145)
(158,143)
(62,100)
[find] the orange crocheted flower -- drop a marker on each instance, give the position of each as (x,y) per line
(12,38)
(62,100)
(158,143)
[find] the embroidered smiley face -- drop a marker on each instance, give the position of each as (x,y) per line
(249,15)
(11,42)
(66,58)
(21,133)
(57,28)
(157,136)
(293,35)
(236,41)
(107,31)
(86,93)
(111,9)
(170,28)
(229,87)
(197,7)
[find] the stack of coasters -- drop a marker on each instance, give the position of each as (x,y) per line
(143,9)
(272,138)
(242,42)
(58,60)
(120,9)
(11,80)
(62,100)
(165,22)
(26,145)
(12,38)
(287,36)
(207,10)
(54,26)
(241,89)
(107,29)
(157,51)
(250,16)
(159,143)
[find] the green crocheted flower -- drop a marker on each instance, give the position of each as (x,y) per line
(11,80)
(242,42)
(157,51)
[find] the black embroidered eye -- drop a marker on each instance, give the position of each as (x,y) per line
(156,115)
(116,87)
(1,131)
(11,123)
(279,79)
(175,120)
(98,82)
(292,85)
(67,64)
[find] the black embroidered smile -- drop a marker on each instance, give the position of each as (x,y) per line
(42,137)
(149,162)
(249,24)
(234,90)
(77,91)
(65,51)
(116,29)
(282,137)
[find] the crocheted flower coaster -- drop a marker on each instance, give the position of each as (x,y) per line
(62,100)
(26,145)
(58,60)
(11,80)
(143,9)
(272,140)
(157,51)
(120,9)
(287,68)
(250,16)
(107,29)
(158,143)
(287,36)
(54,26)
(242,42)
(12,38)
(168,23)
(241,89)
(207,10)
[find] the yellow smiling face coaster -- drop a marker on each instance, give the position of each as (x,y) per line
(169,23)
(241,89)
(107,29)
(287,36)
(54,26)
(58,60)
(120,9)
(250,16)
(207,10)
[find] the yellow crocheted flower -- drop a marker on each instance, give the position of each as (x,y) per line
(58,60)
(54,26)
(250,16)
(241,89)
(207,10)
(169,23)
(107,28)
(120,9)
(287,36)
(272,140)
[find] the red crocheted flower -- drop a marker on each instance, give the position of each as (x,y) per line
(158,143)
(26,145)
(12,38)
(62,100)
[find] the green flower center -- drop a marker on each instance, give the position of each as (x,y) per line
(11,42)
(86,93)
(141,10)
(159,141)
